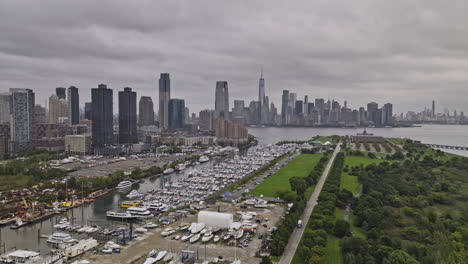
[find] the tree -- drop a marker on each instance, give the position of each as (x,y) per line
(298,184)
(400,257)
(266,260)
(341,228)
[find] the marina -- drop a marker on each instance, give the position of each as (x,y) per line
(151,197)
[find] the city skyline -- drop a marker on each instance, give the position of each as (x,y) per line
(334,50)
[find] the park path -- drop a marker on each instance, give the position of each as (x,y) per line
(295,238)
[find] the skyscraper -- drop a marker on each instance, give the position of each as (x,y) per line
(284,107)
(102,116)
(61,92)
(206,120)
(387,114)
(127,117)
(5,107)
(146,111)
(261,100)
(176,114)
(87,110)
(164,97)
(22,118)
(433,109)
(372,114)
(73,105)
(39,114)
(222,100)
(58,109)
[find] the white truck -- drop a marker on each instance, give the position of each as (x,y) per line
(299,224)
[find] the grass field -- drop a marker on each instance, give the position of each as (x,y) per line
(301,166)
(352,161)
(350,183)
(332,251)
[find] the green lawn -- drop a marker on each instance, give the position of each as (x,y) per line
(301,166)
(350,183)
(352,161)
(332,251)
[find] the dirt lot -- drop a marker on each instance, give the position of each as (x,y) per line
(137,250)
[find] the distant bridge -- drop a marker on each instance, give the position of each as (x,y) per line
(447,147)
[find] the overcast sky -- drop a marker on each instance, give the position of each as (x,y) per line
(406,52)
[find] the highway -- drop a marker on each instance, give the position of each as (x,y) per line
(295,238)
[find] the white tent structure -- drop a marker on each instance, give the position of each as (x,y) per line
(214,219)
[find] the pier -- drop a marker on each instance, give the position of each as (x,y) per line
(439,146)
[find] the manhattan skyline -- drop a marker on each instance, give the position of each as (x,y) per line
(399,52)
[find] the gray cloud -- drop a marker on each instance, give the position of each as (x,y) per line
(406,52)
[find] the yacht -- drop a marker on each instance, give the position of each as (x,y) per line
(128,204)
(21,256)
(124,185)
(207,237)
(61,238)
(195,238)
(119,215)
(203,159)
(180,167)
(187,236)
(140,212)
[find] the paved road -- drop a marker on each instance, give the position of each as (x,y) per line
(297,234)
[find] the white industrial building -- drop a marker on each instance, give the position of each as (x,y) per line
(215,219)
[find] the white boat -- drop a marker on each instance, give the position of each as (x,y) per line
(180,167)
(216,238)
(140,212)
(119,215)
(168,231)
(150,260)
(124,185)
(239,234)
(152,253)
(61,238)
(161,255)
(195,238)
(203,159)
(186,237)
(207,237)
(21,256)
(168,171)
(150,225)
(227,237)
(141,230)
(196,227)
(168,257)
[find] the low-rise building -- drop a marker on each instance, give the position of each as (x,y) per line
(78,144)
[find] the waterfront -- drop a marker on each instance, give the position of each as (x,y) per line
(454,135)
(95,213)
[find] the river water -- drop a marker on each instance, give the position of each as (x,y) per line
(95,213)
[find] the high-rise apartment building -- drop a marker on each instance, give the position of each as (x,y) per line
(5,99)
(372,115)
(22,118)
(164,97)
(146,111)
(222,100)
(73,105)
(102,116)
(87,110)
(40,115)
(284,107)
(387,114)
(58,109)
(206,120)
(61,92)
(127,117)
(176,114)
(433,109)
